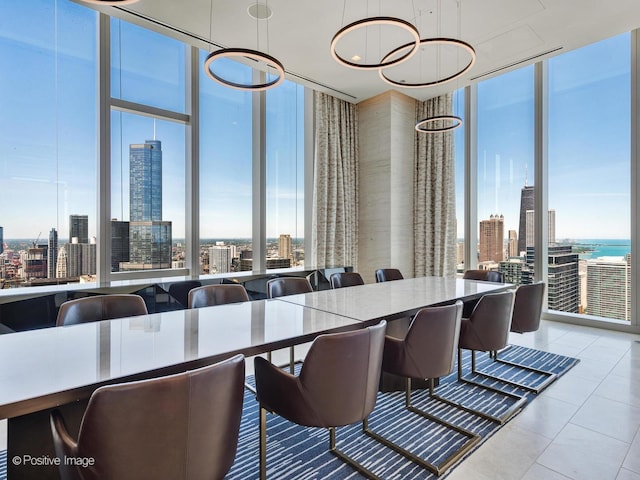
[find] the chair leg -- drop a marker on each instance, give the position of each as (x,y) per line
(443,466)
(345,458)
(263,443)
(519,402)
(551,377)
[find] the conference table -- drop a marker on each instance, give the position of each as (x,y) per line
(60,367)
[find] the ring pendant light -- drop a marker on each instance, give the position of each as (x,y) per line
(368,22)
(244,53)
(423,125)
(431,41)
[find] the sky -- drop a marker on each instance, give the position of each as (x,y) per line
(588,149)
(48,131)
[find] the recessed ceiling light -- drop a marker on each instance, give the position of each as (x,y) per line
(259,11)
(356,58)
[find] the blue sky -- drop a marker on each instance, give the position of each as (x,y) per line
(48,131)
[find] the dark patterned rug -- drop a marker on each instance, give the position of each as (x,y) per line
(296,452)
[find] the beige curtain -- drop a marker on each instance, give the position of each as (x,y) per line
(335,190)
(434,195)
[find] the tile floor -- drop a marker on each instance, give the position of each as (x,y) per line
(585,426)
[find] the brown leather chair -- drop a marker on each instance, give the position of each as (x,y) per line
(100,307)
(487,330)
(527,310)
(179,426)
(484,275)
(345,279)
(325,394)
(281,287)
(388,274)
(428,351)
(221,294)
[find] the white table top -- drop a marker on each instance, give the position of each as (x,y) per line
(43,368)
(394,299)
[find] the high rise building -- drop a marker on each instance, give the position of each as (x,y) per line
(79,228)
(609,287)
(512,248)
(1,240)
(526,203)
(62,263)
(563,293)
(284,246)
(74,258)
(492,239)
(221,257)
(52,253)
(119,244)
(530,227)
(149,236)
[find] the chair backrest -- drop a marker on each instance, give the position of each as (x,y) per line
(431,343)
(388,274)
(488,326)
(180,426)
(282,286)
(341,373)
(100,307)
(221,294)
(346,279)
(527,308)
(180,291)
(484,275)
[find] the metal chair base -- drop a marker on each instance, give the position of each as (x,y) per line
(332,448)
(551,377)
(437,469)
(520,401)
(291,364)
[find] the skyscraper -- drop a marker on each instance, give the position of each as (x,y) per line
(52,253)
(284,246)
(221,257)
(609,287)
(563,277)
(530,227)
(526,203)
(79,228)
(119,244)
(149,236)
(1,240)
(513,244)
(492,239)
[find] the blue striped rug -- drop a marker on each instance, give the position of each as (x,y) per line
(295,452)
(299,453)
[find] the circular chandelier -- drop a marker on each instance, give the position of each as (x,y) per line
(244,53)
(368,22)
(423,126)
(431,41)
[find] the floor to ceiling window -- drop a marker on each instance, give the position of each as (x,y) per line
(226,163)
(458,139)
(285,176)
(147,149)
(505,174)
(589,180)
(48,131)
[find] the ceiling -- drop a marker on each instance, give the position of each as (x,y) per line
(506,34)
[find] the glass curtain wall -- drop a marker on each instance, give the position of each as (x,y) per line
(458,139)
(505,174)
(226,159)
(48,131)
(285,176)
(589,182)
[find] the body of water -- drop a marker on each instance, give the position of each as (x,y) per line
(594,248)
